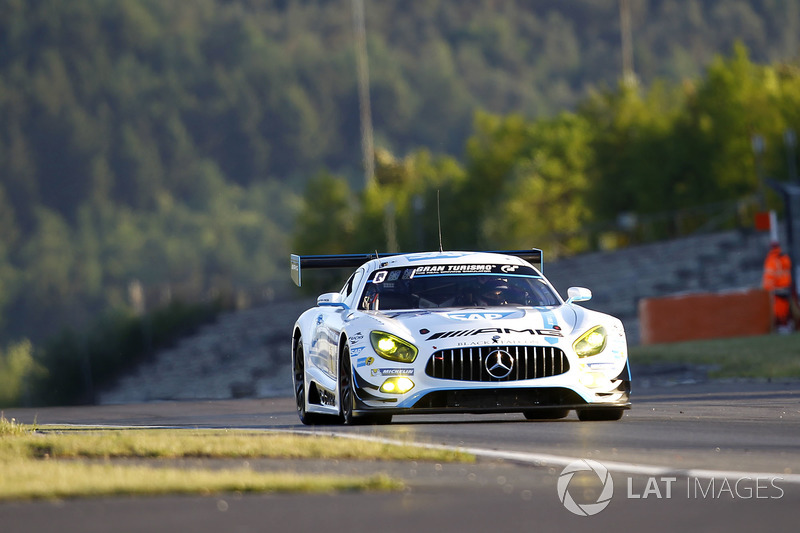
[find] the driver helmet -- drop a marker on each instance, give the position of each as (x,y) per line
(495,292)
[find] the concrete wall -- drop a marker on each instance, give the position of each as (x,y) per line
(705,315)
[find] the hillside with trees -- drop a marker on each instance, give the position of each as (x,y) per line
(628,165)
(153,152)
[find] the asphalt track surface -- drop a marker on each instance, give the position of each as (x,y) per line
(708,457)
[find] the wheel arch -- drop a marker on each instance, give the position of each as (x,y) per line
(311,392)
(343,340)
(296,335)
(343,344)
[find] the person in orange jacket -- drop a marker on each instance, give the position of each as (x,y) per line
(777,280)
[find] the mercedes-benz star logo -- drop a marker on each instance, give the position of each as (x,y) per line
(499,364)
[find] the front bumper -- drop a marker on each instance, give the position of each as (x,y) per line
(507,397)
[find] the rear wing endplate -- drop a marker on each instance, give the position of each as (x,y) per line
(533,256)
(305,262)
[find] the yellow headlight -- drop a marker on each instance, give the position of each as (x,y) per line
(392,347)
(591,343)
(397,385)
(387,344)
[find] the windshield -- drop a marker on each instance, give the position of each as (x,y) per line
(437,286)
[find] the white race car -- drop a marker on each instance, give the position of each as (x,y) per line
(436,332)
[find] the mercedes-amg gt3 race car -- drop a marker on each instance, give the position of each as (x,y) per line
(434,332)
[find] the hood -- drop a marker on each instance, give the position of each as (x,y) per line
(442,321)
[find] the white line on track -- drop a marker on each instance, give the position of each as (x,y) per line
(547,460)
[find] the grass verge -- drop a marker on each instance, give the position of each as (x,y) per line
(29,479)
(764,356)
(42,462)
(12,428)
(176,444)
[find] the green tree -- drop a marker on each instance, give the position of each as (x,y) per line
(634,166)
(675,147)
(326,221)
(493,150)
(543,200)
(9,283)
(399,211)
(17,370)
(735,100)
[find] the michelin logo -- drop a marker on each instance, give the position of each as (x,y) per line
(393,371)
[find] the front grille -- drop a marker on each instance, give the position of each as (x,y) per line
(469,364)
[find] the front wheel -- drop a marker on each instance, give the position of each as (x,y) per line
(609,413)
(347,398)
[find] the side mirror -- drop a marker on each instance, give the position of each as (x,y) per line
(331,299)
(578,294)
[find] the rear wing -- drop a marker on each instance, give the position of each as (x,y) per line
(305,262)
(533,256)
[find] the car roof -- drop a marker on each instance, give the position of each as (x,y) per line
(532,256)
(444,258)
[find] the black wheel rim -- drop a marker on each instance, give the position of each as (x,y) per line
(299,378)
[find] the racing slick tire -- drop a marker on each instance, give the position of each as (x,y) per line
(347,398)
(609,413)
(299,375)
